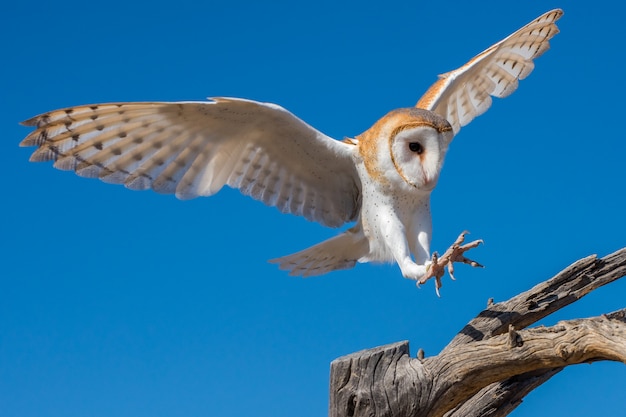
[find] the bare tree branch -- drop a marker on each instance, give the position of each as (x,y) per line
(466,370)
(494,361)
(500,399)
(568,286)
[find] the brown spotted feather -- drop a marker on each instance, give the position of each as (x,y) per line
(465,93)
(195,148)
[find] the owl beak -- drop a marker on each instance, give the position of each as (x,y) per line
(429,182)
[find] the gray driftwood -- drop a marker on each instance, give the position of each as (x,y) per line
(494,361)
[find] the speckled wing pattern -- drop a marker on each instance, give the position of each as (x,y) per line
(195,148)
(465,93)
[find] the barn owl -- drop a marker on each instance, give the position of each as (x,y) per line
(380,181)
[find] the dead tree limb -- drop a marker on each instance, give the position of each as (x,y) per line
(494,361)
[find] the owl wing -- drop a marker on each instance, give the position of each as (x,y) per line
(465,93)
(195,148)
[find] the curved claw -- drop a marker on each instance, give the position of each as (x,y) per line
(437,286)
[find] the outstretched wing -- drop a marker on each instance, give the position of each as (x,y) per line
(195,148)
(465,93)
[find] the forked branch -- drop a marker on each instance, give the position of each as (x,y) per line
(494,361)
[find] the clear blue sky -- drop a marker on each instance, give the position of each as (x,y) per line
(116,303)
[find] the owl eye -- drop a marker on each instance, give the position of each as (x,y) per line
(416,147)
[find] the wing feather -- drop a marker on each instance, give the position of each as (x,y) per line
(463,94)
(193,149)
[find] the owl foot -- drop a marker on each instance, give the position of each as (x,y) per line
(454,254)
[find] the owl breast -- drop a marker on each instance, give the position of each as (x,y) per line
(393,219)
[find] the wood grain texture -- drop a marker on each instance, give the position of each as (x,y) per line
(494,361)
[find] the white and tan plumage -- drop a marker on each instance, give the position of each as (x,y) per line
(381,180)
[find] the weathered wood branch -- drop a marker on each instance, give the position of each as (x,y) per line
(494,361)
(568,286)
(500,399)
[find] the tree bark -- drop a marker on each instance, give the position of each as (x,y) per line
(494,361)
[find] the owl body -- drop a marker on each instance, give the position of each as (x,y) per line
(401,157)
(380,180)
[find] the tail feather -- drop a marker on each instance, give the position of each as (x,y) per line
(339,252)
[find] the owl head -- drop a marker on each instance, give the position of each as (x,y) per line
(406,148)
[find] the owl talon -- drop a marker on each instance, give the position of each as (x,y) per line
(437,286)
(454,254)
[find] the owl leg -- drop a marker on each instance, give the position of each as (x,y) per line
(453,254)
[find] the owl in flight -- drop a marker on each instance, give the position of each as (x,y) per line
(381,180)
